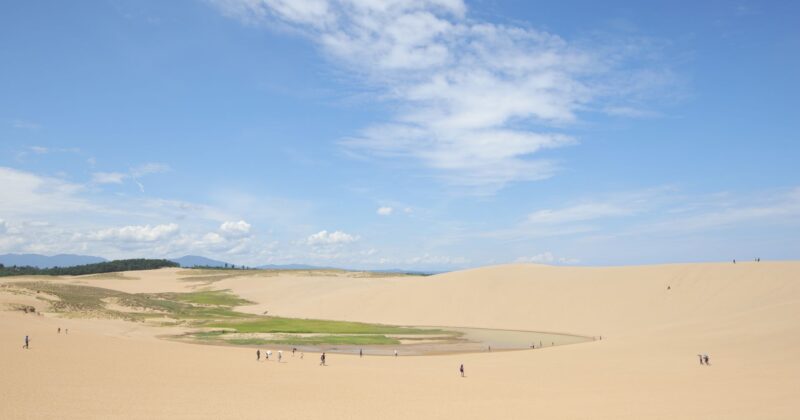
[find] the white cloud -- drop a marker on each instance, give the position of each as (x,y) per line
(547,258)
(26,194)
(108,177)
(133,174)
(235,229)
(773,208)
(211,238)
(473,97)
(148,168)
(385,211)
(25,125)
(579,213)
(144,233)
(42,150)
(630,112)
(330,238)
(440,260)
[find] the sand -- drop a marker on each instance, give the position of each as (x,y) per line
(745,316)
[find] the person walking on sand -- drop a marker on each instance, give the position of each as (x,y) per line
(59,330)
(705,359)
(258,355)
(700,356)
(395,353)
(280,355)
(27,343)
(461,369)
(294,349)
(322,359)
(360,352)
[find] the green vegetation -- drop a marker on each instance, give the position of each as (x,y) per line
(210,297)
(88,300)
(79,270)
(355,340)
(272,324)
(214,309)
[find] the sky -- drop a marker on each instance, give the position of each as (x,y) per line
(418,135)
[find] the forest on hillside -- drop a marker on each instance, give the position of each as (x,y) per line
(78,270)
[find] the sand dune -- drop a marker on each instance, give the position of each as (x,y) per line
(746,316)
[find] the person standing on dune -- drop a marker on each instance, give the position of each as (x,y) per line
(27,343)
(258,355)
(461,369)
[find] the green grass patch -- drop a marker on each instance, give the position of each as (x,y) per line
(214,309)
(271,324)
(364,340)
(209,297)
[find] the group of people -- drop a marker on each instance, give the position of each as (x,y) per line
(322,357)
(703,359)
(268,355)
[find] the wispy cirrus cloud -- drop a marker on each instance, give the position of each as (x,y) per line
(133,174)
(656,211)
(25,125)
(108,177)
(477,102)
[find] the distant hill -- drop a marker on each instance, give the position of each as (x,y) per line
(46,261)
(95,268)
(195,260)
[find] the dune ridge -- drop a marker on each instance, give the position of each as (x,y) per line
(744,315)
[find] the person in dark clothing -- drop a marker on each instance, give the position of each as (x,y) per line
(322,360)
(27,343)
(461,369)
(360,352)
(258,355)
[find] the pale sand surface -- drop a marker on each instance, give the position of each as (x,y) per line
(746,316)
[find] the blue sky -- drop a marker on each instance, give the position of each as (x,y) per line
(433,135)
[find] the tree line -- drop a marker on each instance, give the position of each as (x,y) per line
(79,270)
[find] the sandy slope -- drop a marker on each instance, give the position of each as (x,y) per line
(746,316)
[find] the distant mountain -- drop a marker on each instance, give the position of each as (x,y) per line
(194,260)
(46,261)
